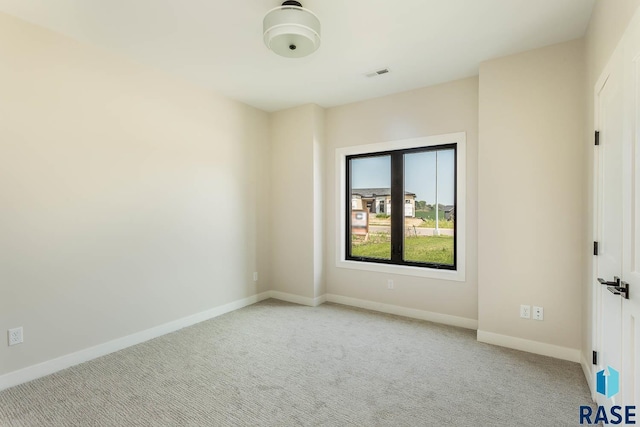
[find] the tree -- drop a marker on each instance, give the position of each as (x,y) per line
(421,205)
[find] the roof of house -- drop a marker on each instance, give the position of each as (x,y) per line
(373,192)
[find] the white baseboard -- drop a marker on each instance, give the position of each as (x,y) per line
(446,319)
(51,366)
(320,300)
(586,369)
(536,347)
(297,299)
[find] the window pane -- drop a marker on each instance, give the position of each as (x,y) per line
(429,214)
(370,215)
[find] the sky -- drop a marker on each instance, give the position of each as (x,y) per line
(419,171)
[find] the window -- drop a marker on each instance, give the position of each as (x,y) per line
(402,207)
(420,237)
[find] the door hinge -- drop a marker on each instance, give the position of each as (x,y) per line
(595,357)
(597,138)
(595,248)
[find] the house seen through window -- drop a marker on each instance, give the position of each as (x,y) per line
(401,207)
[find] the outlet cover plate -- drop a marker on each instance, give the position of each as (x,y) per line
(525,311)
(14,336)
(538,313)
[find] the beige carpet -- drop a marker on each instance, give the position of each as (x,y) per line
(280,364)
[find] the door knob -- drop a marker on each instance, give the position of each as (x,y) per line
(616,281)
(623,290)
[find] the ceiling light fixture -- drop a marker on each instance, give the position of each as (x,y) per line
(291,30)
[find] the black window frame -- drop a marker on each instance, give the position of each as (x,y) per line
(397,205)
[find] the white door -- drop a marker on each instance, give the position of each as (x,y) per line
(630,381)
(608,263)
(617,330)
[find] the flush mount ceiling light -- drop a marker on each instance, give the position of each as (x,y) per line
(291,30)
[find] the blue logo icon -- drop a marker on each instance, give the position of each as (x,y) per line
(608,385)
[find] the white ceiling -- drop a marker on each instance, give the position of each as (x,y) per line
(218,44)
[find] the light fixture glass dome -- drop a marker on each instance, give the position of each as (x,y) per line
(291,30)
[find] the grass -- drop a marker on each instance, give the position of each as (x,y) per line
(431,223)
(432,249)
(429,214)
(429,219)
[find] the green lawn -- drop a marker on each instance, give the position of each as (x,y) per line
(429,218)
(435,249)
(429,214)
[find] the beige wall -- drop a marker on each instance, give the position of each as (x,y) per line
(608,22)
(319,165)
(530,192)
(118,185)
(295,231)
(447,108)
(127,198)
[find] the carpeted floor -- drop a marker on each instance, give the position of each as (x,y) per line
(280,364)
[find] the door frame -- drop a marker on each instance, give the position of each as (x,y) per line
(596,300)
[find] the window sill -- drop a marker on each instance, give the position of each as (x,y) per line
(453,275)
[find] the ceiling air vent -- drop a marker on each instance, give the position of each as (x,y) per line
(377,73)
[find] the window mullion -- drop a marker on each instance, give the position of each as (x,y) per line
(347,236)
(397,207)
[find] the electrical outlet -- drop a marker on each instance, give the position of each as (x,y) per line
(538,313)
(389,284)
(525,311)
(15,336)
(255,276)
